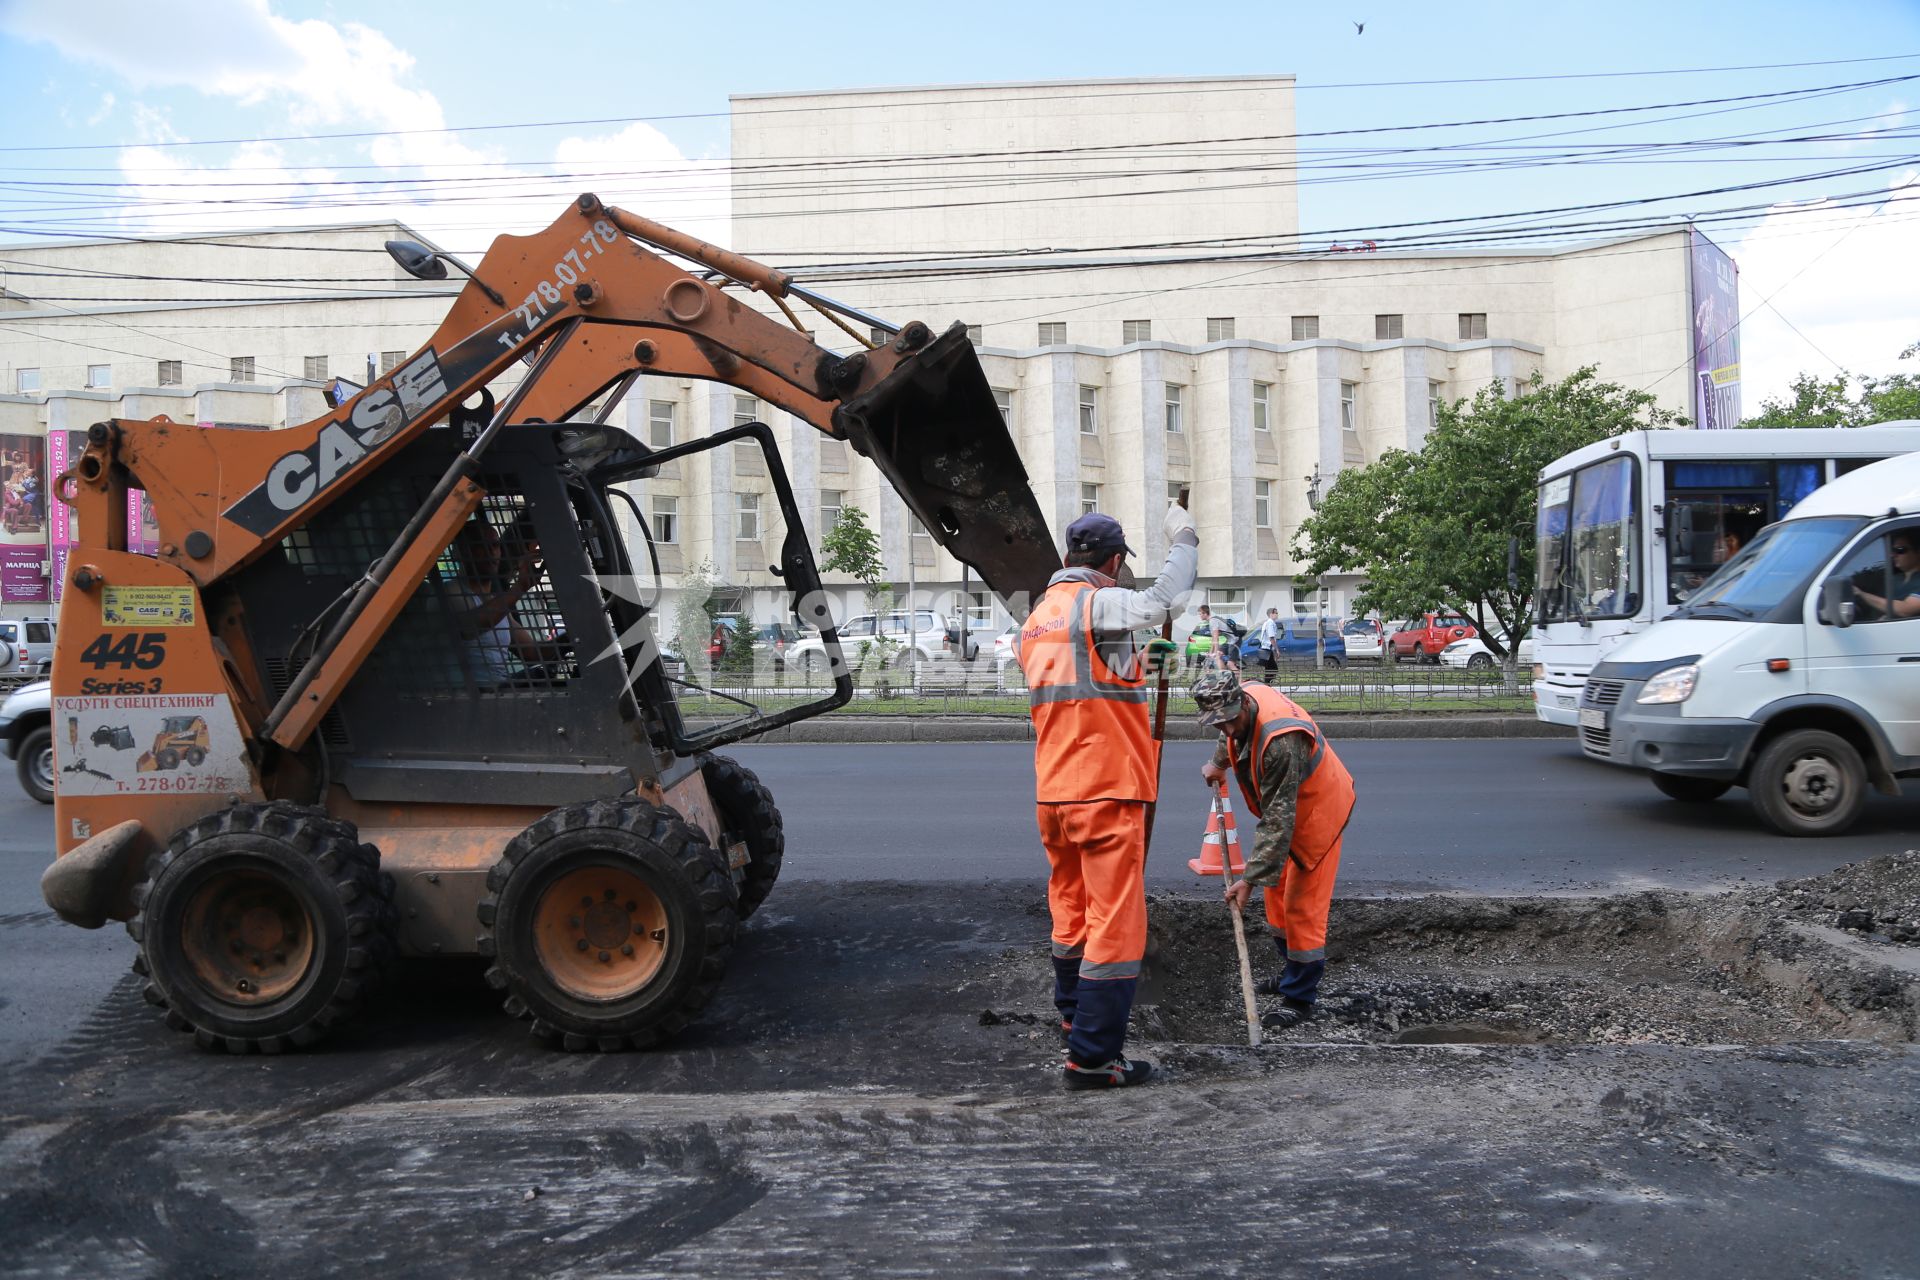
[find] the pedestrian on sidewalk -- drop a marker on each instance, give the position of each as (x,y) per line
(1303,796)
(1269,641)
(1096,774)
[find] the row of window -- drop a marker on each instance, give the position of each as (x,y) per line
(1473,324)
(171,373)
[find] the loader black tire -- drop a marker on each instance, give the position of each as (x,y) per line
(747,813)
(35,764)
(262,927)
(608,924)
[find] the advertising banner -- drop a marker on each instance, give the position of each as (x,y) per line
(63,450)
(23,519)
(1716,335)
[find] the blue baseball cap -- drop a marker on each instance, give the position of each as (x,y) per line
(1096,532)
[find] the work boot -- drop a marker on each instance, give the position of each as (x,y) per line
(1290,1014)
(1116,1074)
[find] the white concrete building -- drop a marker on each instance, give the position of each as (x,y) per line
(1062,222)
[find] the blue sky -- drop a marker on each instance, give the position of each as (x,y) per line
(104,93)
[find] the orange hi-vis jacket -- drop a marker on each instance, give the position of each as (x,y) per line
(1326,793)
(1094,738)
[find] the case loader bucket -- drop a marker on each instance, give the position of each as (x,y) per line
(932,427)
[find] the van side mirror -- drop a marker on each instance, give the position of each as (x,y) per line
(1836,602)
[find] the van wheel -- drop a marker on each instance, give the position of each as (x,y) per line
(1691,790)
(36,764)
(1808,783)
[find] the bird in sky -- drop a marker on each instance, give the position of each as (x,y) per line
(1358,27)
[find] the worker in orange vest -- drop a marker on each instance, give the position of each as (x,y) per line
(1303,795)
(1096,773)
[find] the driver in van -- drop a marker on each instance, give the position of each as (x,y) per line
(1903,596)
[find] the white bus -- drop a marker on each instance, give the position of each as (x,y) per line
(1628,527)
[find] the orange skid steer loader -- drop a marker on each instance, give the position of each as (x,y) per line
(430,719)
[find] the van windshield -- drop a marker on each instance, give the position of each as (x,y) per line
(1771,570)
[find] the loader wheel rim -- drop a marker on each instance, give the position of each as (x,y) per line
(1813,785)
(601,933)
(42,766)
(247,937)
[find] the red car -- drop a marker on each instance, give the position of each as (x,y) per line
(1424,637)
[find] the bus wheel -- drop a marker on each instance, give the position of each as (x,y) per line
(1808,783)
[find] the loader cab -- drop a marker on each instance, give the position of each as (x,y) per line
(525,669)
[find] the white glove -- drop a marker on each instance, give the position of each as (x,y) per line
(1179,522)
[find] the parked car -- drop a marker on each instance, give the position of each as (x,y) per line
(773,640)
(1364,640)
(26,646)
(1006,645)
(1423,638)
(1473,653)
(1296,647)
(26,737)
(928,636)
(955,638)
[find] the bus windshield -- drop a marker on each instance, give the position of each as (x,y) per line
(1588,543)
(1772,569)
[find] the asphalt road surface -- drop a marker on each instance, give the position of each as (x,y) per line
(845,1106)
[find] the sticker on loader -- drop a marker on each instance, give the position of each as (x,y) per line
(147,606)
(117,745)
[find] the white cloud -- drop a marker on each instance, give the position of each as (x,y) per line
(325,78)
(1843,277)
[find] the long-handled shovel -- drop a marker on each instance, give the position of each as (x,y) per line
(1221,805)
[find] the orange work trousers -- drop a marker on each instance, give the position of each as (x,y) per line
(1297,906)
(1098,891)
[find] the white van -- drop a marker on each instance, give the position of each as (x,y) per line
(1794,671)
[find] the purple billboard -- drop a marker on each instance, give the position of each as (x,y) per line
(1715,288)
(23,519)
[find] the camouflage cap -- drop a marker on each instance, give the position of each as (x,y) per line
(1219,696)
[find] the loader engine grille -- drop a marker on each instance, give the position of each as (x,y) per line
(485,621)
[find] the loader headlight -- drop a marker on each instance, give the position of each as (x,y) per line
(1675,684)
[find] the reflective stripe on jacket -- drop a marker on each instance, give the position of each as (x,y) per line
(1094,737)
(1326,791)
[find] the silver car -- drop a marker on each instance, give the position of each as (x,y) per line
(26,737)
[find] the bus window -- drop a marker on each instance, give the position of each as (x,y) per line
(1704,530)
(1603,555)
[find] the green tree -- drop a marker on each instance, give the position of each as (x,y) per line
(1832,402)
(692,620)
(852,548)
(1433,528)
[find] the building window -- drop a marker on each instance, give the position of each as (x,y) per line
(1003,401)
(1089,498)
(314,369)
(1173,408)
(1386,328)
(977,335)
(1262,406)
(745,409)
(240,369)
(1263,504)
(1173,490)
(1306,328)
(1227,601)
(389,360)
(746,517)
(26,381)
(1136,331)
(169,373)
(1349,406)
(922,544)
(1053,332)
(660,415)
(1089,411)
(979,610)
(666,518)
(832,503)
(1433,403)
(1219,328)
(880,337)
(1473,324)
(99,376)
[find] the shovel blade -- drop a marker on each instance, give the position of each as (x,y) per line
(932,428)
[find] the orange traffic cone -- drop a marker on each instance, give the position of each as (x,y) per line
(1220,833)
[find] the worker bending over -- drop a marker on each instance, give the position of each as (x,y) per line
(1096,773)
(1295,784)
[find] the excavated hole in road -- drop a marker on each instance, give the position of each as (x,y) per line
(1834,956)
(1654,967)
